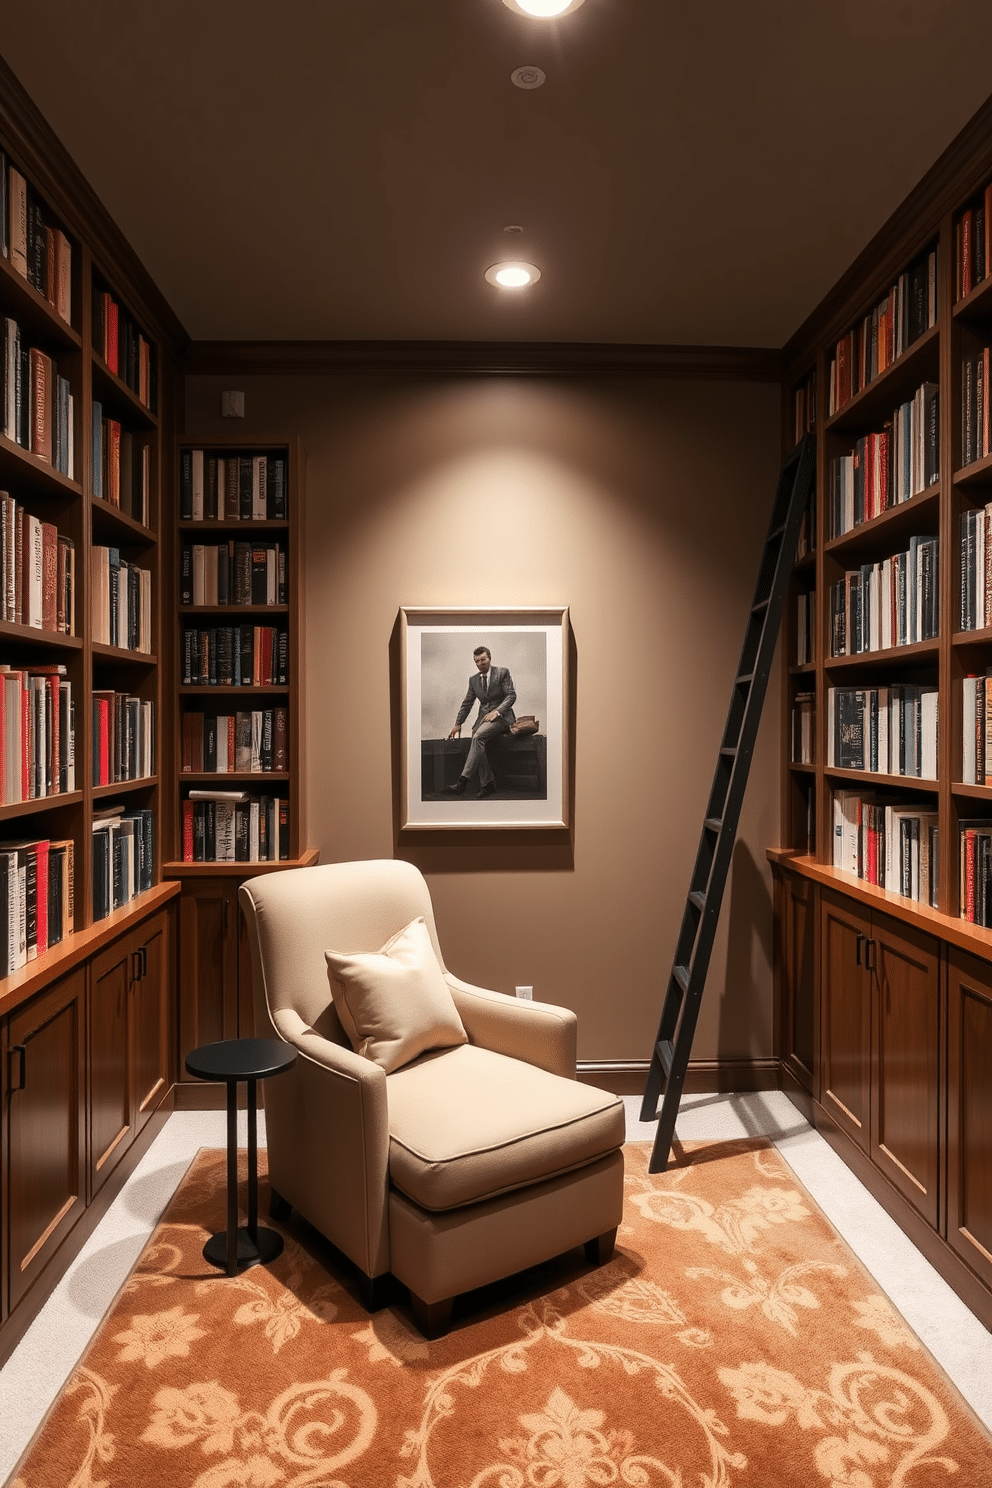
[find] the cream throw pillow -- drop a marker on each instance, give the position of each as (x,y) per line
(394,1004)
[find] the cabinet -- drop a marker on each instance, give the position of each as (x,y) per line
(969,1112)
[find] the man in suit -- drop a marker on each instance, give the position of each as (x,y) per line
(492,688)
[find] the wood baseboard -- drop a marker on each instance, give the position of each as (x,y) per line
(704,1076)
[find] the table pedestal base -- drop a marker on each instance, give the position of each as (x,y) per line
(265,1248)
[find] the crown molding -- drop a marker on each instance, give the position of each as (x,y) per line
(37,150)
(483,358)
(963,166)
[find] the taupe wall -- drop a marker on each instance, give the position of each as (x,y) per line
(642,505)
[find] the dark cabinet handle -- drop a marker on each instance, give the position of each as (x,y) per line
(870,955)
(21,1053)
(143,953)
(136,966)
(862,940)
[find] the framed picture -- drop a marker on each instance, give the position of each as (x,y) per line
(484,718)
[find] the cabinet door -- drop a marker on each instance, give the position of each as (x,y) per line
(845,1011)
(111,1071)
(906,996)
(208,972)
(44,1129)
(969,1112)
(798,978)
(152,963)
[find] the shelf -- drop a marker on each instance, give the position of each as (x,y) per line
(978,473)
(236,524)
(216,777)
(918,363)
(181,869)
(978,303)
(34,473)
(918,651)
(114,394)
(232,610)
(33,312)
(222,690)
(103,792)
(972,792)
(9,630)
(109,518)
(865,777)
(877,534)
(58,802)
(129,658)
(800,769)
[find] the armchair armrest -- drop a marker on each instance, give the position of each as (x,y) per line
(537,1032)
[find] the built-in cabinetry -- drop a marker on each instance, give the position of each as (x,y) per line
(237,700)
(884,872)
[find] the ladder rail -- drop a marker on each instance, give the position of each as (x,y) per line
(672,1046)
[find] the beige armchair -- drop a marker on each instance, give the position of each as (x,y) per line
(459,1167)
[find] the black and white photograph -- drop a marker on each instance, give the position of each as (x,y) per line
(484,717)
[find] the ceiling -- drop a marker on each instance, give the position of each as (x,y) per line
(688,174)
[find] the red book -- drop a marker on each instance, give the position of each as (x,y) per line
(102,710)
(187,831)
(41,910)
(110,334)
(54,735)
(49,576)
(41,382)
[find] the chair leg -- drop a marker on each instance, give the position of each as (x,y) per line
(433,1319)
(279,1208)
(375,1291)
(600,1250)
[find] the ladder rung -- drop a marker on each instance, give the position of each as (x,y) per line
(698,899)
(725,749)
(773,536)
(747,677)
(713,823)
(761,605)
(665,1050)
(681,975)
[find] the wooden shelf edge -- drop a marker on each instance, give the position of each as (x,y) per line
(177,870)
(78,947)
(973,938)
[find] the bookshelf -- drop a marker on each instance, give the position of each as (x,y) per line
(87,925)
(238,715)
(883,968)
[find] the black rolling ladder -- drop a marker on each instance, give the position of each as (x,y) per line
(670,1058)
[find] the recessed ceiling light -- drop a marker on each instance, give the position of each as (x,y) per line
(543,8)
(512,275)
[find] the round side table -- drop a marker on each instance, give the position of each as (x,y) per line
(231,1060)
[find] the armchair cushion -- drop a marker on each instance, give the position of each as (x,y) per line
(467,1124)
(394,1003)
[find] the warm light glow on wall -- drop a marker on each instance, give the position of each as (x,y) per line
(543,8)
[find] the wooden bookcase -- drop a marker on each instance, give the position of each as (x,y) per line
(87,1026)
(881,1000)
(214,974)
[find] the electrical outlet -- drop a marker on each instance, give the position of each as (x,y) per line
(525,993)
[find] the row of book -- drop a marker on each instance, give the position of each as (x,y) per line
(236,656)
(33,242)
(890,603)
(123,738)
(232,573)
(37,733)
(36,402)
(127,353)
(885,730)
(37,570)
(975,561)
(804,408)
(121,601)
(803,742)
(975,868)
(976,729)
(805,622)
(972,248)
(887,467)
(234,827)
(248,742)
(231,488)
(906,313)
(975,372)
(122,467)
(123,857)
(893,846)
(36,899)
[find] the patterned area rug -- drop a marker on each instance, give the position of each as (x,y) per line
(734,1340)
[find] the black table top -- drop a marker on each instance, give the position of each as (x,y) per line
(241,1059)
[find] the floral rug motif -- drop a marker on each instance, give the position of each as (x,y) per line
(734,1339)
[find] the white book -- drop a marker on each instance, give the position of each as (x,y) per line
(253,848)
(259,482)
(831,727)
(198,575)
(885,628)
(980,530)
(928,733)
(12,344)
(34,588)
(223,723)
(145,615)
(847,823)
(224,832)
(256,741)
(197,464)
(883,731)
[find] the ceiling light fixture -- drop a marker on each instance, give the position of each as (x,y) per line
(512,275)
(543,8)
